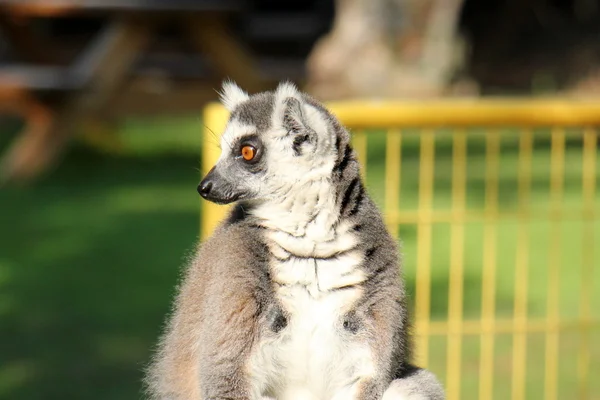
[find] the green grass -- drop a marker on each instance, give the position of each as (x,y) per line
(89,258)
(90,255)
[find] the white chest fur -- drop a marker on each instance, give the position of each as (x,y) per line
(314,357)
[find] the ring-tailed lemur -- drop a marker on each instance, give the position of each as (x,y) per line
(298,294)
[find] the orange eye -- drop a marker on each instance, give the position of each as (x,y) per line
(248,152)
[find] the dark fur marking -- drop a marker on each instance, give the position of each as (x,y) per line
(348,193)
(405,370)
(238,214)
(377,274)
(256,226)
(317,275)
(358,200)
(341,166)
(334,255)
(298,142)
(281,259)
(313,216)
(371,251)
(278,322)
(283,284)
(289,122)
(345,287)
(291,125)
(351,322)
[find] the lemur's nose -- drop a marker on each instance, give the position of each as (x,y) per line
(204,188)
(217,189)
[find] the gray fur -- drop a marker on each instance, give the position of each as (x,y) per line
(256,112)
(227,305)
(416,384)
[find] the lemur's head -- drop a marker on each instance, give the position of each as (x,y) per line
(274,145)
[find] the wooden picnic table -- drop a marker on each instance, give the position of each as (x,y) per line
(55,99)
(62,7)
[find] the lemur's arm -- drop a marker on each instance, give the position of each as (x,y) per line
(415,384)
(228,335)
(387,341)
(211,332)
(173,373)
(385,308)
(390,342)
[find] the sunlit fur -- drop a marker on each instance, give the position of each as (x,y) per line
(298,295)
(232,95)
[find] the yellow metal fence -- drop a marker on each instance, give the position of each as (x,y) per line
(492,198)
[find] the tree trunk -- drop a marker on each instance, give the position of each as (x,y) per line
(387,48)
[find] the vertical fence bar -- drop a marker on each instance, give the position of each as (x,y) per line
(215,119)
(519,356)
(585,298)
(423,285)
(455,296)
(359,142)
(393,158)
(557,154)
(488,297)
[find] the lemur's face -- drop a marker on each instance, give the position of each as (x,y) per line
(274,144)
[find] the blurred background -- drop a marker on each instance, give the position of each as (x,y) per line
(101,138)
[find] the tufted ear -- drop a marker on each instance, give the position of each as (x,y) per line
(232,95)
(293,119)
(284,90)
(297,126)
(287,108)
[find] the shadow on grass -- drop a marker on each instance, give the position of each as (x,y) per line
(89,259)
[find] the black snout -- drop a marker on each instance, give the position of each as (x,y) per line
(216,189)
(204,188)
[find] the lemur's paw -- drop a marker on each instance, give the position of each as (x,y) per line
(398,391)
(419,386)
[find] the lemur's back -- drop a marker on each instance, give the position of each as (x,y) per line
(298,295)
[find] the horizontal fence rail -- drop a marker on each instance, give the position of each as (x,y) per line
(497,202)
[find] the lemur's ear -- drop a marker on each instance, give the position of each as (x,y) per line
(297,126)
(232,95)
(288,107)
(293,120)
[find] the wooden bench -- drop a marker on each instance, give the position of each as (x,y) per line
(45,8)
(87,85)
(84,85)
(54,96)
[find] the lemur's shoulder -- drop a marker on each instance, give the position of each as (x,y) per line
(235,249)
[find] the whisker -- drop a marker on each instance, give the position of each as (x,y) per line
(214,137)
